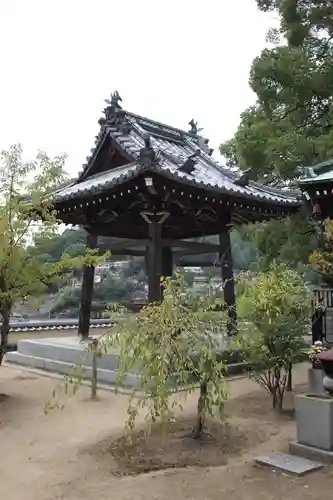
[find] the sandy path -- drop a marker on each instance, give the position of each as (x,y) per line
(45,457)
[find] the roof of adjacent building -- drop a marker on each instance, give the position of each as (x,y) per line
(172,147)
(319,173)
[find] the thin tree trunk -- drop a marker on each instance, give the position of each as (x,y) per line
(201,410)
(290,378)
(5,313)
(94,376)
(280,402)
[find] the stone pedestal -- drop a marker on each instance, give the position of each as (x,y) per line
(315,381)
(314,423)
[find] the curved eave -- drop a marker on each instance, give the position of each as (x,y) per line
(114,178)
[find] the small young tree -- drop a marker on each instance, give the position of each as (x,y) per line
(173,345)
(22,188)
(322,258)
(275,309)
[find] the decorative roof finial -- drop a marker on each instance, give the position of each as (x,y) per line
(194,127)
(113,111)
(147,154)
(114,100)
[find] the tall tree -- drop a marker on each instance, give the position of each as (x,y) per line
(22,188)
(291,123)
(290,240)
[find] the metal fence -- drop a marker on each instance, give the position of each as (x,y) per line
(322,325)
(325,295)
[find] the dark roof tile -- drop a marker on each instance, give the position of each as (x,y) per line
(173,146)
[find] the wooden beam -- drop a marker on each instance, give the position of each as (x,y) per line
(192,247)
(87,292)
(129,251)
(198,263)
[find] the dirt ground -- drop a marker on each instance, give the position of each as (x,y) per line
(79,453)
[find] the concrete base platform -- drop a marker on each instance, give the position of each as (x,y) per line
(62,356)
(311,453)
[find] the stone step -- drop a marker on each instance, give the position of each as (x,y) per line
(288,463)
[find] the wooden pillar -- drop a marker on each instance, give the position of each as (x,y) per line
(155,259)
(167,261)
(227,274)
(87,292)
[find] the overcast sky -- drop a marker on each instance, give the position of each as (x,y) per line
(170,61)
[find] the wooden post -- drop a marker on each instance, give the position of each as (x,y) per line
(228,279)
(290,378)
(155,259)
(167,261)
(87,292)
(94,375)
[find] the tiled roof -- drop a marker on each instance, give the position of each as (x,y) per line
(322,172)
(173,147)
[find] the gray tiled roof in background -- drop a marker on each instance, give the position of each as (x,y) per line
(174,147)
(321,172)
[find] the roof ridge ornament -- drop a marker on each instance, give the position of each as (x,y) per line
(189,165)
(114,100)
(148,155)
(201,141)
(113,111)
(194,127)
(245,177)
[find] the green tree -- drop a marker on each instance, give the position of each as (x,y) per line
(23,186)
(290,125)
(172,346)
(290,240)
(275,311)
(110,290)
(75,249)
(71,241)
(113,289)
(321,258)
(244,251)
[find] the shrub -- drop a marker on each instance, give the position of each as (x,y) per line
(275,315)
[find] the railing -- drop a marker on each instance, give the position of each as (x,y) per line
(325,295)
(322,318)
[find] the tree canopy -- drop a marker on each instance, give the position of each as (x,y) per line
(25,218)
(290,124)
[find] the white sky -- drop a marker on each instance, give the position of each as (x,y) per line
(169,60)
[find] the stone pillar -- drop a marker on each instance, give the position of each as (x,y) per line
(227,275)
(87,292)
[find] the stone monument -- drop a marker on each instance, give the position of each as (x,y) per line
(314,417)
(315,372)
